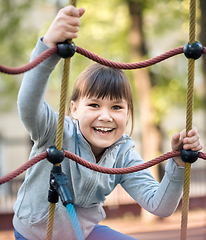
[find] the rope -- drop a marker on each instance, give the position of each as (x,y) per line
(74,221)
(23,168)
(185,201)
(189,116)
(93,166)
(60,127)
(50,222)
(129,66)
(92,56)
(64,87)
(43,56)
(126,170)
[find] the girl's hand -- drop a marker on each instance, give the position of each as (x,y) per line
(192,141)
(65,26)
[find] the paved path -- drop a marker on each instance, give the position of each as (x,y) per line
(163,229)
(192,234)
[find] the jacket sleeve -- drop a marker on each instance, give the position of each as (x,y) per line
(34,112)
(162,198)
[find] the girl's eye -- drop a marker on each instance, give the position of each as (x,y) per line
(93,105)
(116,107)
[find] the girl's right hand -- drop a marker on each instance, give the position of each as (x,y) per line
(65,26)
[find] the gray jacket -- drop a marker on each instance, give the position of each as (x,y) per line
(88,188)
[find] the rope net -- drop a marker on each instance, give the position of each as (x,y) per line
(125,66)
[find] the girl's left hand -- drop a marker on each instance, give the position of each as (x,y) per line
(180,140)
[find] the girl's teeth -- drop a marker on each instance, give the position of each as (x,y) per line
(103,129)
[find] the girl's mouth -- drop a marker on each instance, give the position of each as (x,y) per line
(103,130)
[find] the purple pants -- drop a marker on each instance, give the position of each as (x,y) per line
(99,232)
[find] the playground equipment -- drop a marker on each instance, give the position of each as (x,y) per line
(55,154)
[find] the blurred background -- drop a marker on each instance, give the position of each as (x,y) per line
(123,31)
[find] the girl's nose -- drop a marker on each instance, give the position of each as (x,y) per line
(105,116)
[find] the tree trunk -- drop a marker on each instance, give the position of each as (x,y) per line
(142,81)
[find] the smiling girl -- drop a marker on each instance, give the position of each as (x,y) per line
(101,104)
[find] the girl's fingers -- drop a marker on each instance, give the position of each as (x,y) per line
(70,11)
(191,139)
(81,11)
(194,146)
(65,26)
(176,142)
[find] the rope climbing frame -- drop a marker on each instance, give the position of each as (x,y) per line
(94,167)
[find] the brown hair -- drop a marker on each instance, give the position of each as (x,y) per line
(104,82)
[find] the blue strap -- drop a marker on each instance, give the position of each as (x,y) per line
(75,222)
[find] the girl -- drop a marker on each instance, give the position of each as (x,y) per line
(101,104)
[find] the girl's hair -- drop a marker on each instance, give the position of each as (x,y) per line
(104,82)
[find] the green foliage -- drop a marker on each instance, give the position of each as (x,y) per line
(14,31)
(168,16)
(16,35)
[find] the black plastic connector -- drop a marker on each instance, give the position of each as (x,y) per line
(55,156)
(189,155)
(66,50)
(53,196)
(194,51)
(58,184)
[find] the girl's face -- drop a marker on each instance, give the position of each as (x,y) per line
(102,121)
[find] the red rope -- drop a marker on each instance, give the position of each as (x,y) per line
(43,56)
(93,166)
(126,170)
(23,168)
(129,66)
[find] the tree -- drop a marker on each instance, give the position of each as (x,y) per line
(142,81)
